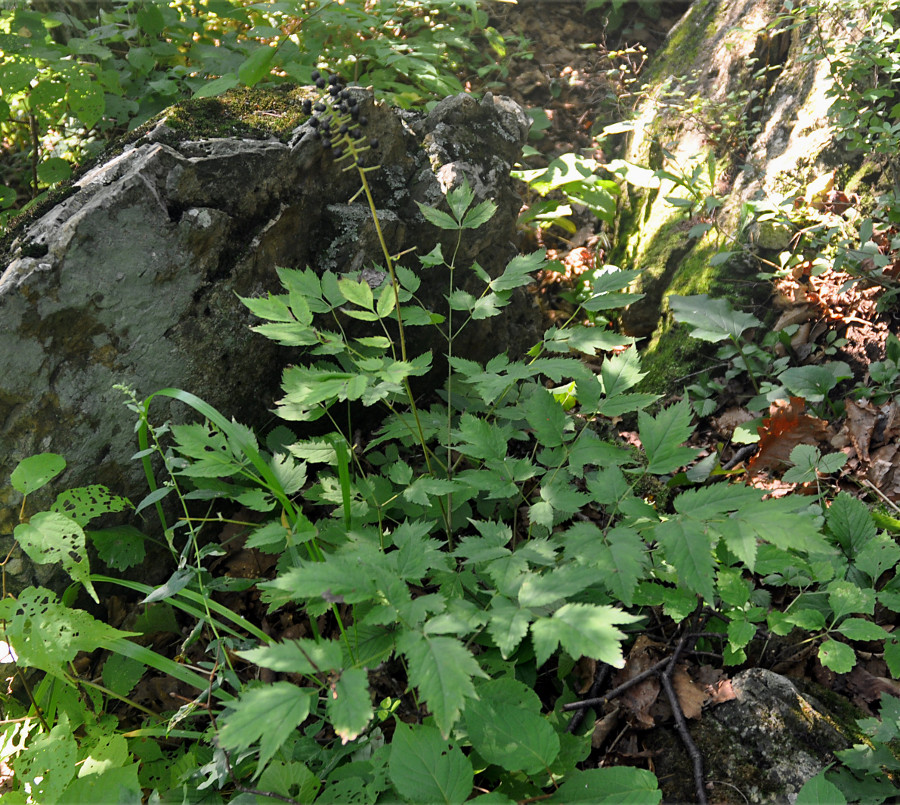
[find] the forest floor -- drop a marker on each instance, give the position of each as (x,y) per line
(581,78)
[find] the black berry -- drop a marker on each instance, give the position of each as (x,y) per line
(314,75)
(320,83)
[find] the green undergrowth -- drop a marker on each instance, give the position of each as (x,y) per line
(440,575)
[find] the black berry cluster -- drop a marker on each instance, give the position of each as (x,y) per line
(336,118)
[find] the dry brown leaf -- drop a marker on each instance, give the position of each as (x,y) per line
(729,419)
(639,698)
(603,727)
(785,428)
(871,687)
(795,315)
(585,670)
(861,418)
(690,695)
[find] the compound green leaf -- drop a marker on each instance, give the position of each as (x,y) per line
(845,598)
(296,656)
(663,435)
(518,271)
(546,417)
(688,549)
(268,715)
(582,630)
(423,768)
(563,582)
(812,383)
(712,319)
(881,553)
(349,704)
(442,669)
(621,372)
(508,625)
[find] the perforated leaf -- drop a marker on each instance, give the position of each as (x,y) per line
(47,635)
(120,547)
(54,538)
(84,503)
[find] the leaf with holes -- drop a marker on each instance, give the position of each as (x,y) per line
(120,547)
(84,503)
(51,538)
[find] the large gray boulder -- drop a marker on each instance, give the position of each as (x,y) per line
(134,278)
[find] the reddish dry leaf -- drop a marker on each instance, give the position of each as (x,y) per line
(639,699)
(870,687)
(720,692)
(690,695)
(785,428)
(861,418)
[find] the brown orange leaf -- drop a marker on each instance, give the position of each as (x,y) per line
(781,431)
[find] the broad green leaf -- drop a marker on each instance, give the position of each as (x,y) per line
(120,547)
(54,170)
(636,175)
(423,768)
(51,538)
(712,319)
(584,339)
(546,417)
(507,729)
(819,791)
(687,548)
(845,598)
(115,784)
(880,554)
(121,674)
(619,785)
(348,704)
(663,435)
(36,471)
(296,656)
(420,490)
(563,170)
(292,780)
(860,629)
(582,629)
(839,657)
(812,383)
(268,715)
(442,669)
(217,86)
(256,66)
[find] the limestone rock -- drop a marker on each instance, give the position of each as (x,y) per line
(761,747)
(134,278)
